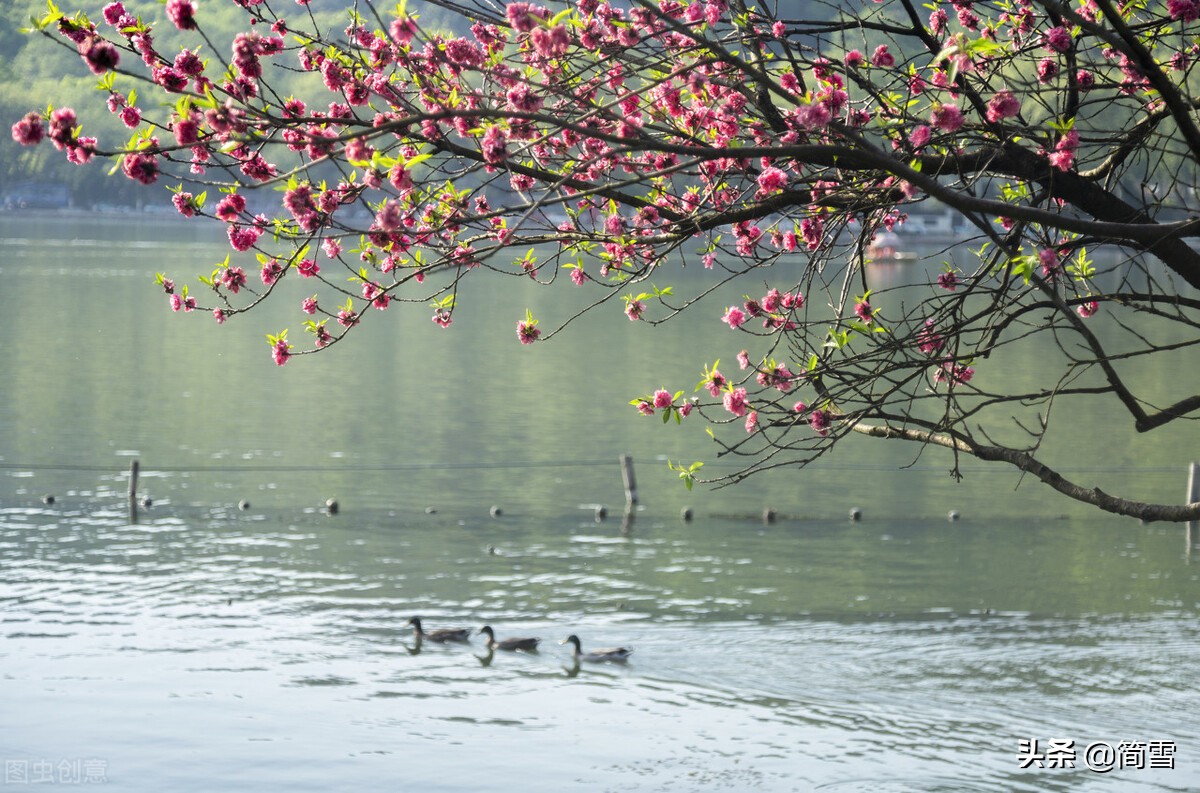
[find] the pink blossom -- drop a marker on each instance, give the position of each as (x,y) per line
(29,131)
(685,409)
(779,377)
(881,57)
(131,116)
(1085,79)
(854,59)
(141,167)
(864,312)
(752,421)
(113,13)
(99,54)
(1003,105)
(494,145)
(281,351)
(390,216)
(929,341)
(644,407)
(234,278)
(634,309)
(799,407)
(662,398)
(309,305)
(920,136)
(62,127)
(948,281)
(1185,10)
(812,229)
(523,16)
(814,116)
(271,272)
(219,315)
(771,301)
(734,316)
(1087,309)
(308,268)
(242,238)
(230,207)
(402,30)
(771,180)
(442,318)
(819,421)
(735,402)
(743,359)
(552,42)
(578,277)
(463,53)
(1057,39)
(528,332)
(947,118)
(1050,262)
(937,21)
(187,131)
(182,14)
(1062,160)
(184,203)
(793,300)
(954,373)
(176,302)
(1047,69)
(715,382)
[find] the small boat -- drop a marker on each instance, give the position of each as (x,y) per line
(886,247)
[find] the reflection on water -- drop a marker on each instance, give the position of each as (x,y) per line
(215,648)
(255,649)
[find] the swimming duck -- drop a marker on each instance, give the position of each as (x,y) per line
(529,645)
(617,655)
(440,636)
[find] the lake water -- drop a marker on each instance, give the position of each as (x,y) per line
(208,647)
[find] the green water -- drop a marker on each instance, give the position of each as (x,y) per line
(209,647)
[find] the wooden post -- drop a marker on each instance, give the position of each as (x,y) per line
(627,477)
(133,485)
(1193,495)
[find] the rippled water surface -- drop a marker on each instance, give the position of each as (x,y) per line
(207,647)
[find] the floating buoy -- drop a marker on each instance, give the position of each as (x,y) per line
(601,513)
(768,515)
(48,498)
(332,506)
(685,514)
(855,513)
(952,515)
(243,505)
(495,511)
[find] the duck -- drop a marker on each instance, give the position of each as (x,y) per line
(440,636)
(616,655)
(527,644)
